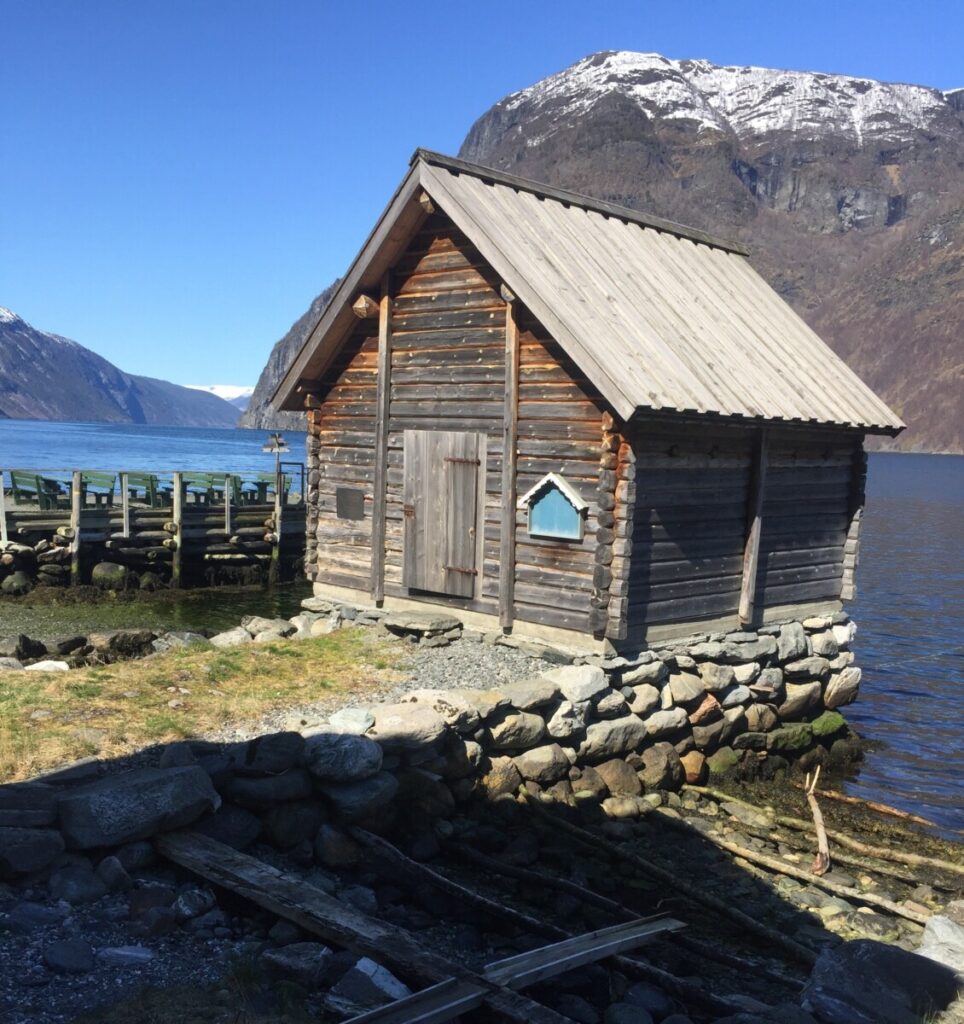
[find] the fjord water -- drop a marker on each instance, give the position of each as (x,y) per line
(909,611)
(910,640)
(32,444)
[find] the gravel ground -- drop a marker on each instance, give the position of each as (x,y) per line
(464,665)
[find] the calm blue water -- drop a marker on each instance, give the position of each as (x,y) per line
(910,640)
(910,608)
(31,444)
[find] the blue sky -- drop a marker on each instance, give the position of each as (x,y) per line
(178,179)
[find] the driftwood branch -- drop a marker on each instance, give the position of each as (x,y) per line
(915,859)
(872,805)
(821,863)
(783,868)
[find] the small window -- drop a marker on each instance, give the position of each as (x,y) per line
(349,503)
(554,509)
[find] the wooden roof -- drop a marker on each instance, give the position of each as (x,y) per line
(659,317)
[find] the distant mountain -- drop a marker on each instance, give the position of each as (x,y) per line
(237,395)
(849,193)
(259,412)
(46,377)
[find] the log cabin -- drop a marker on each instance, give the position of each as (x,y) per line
(548,414)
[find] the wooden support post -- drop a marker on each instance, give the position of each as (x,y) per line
(510,446)
(227,504)
(76,499)
(751,551)
(3,511)
(274,570)
(382,398)
(125,506)
(178,519)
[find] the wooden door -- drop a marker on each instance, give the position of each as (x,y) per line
(440,499)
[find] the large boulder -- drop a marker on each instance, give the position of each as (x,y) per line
(516,730)
(134,805)
(122,643)
(256,624)
(944,942)
(800,700)
(651,673)
(17,584)
(566,719)
(866,982)
(685,687)
(842,688)
(579,682)
(265,791)
(620,777)
(342,757)
(662,768)
(544,764)
(406,728)
(27,805)
(25,850)
(355,801)
(502,776)
(271,754)
(530,694)
(231,637)
(805,669)
(643,698)
(662,723)
(792,642)
(460,714)
(420,623)
(109,576)
(612,737)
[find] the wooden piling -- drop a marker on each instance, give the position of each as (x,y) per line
(76,505)
(177,519)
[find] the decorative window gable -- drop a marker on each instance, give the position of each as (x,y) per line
(554,508)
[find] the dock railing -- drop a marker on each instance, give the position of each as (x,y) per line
(161,519)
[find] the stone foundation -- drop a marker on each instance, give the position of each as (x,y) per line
(613,732)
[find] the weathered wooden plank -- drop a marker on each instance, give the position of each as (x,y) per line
(377,585)
(510,438)
(336,922)
(751,553)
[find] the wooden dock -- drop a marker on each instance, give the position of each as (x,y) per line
(186,528)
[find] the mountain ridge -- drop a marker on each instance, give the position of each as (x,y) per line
(46,376)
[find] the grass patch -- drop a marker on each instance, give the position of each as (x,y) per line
(48,719)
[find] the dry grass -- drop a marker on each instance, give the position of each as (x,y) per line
(50,718)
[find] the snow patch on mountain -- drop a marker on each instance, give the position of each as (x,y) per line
(748,101)
(7,316)
(239,395)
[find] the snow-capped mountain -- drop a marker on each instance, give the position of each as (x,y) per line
(238,395)
(848,191)
(44,376)
(745,101)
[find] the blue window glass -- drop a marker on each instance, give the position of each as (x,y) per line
(552,514)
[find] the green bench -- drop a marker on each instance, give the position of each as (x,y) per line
(147,487)
(99,486)
(45,492)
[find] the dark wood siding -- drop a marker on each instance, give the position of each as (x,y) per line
(688,526)
(806,516)
(342,454)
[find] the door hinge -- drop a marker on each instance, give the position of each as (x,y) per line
(465,572)
(465,462)
(408,510)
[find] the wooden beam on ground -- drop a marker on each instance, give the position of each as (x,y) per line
(365,307)
(510,447)
(330,919)
(382,397)
(751,551)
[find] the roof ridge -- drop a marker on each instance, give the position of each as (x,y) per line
(459,166)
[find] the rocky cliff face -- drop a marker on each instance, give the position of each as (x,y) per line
(47,377)
(849,192)
(260,412)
